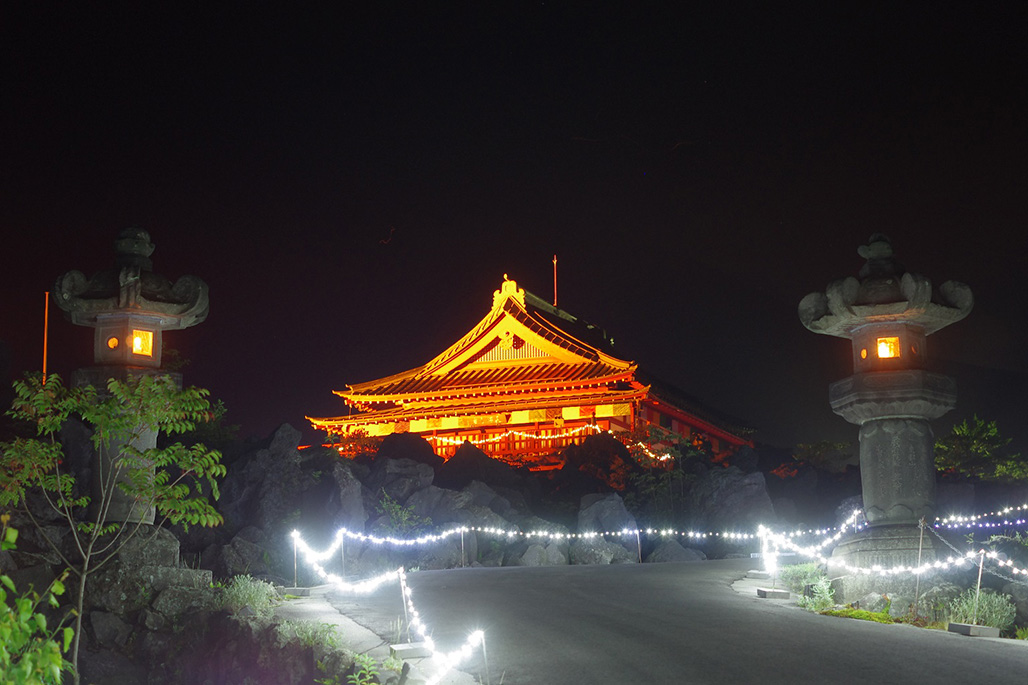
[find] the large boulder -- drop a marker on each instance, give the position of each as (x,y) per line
(397,478)
(484,496)
(599,551)
(346,498)
(470,463)
(672,550)
(607,514)
(601,458)
(439,505)
(265,488)
(409,446)
(538,553)
(728,499)
(604,513)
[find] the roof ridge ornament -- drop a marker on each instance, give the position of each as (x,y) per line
(508,289)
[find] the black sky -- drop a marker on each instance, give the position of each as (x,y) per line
(354,181)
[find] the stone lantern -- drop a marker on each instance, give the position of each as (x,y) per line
(888,315)
(129,307)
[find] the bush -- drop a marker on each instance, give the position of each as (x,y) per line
(797,576)
(994,610)
(245,592)
(309,633)
(822,596)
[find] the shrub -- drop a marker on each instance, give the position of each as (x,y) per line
(822,595)
(993,609)
(309,633)
(245,592)
(797,576)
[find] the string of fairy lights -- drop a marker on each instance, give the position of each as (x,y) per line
(444,661)
(772,545)
(563,435)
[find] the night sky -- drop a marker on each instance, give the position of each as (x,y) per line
(354,180)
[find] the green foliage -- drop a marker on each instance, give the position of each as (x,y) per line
(994,609)
(1021,633)
(859,614)
(401,519)
(658,491)
(30,652)
(798,576)
(822,595)
(309,633)
(825,455)
(976,449)
(365,670)
(176,481)
(180,475)
(246,592)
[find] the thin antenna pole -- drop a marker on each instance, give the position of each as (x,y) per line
(554,280)
(46,331)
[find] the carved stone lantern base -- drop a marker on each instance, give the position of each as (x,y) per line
(887,547)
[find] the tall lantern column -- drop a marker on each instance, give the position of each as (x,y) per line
(129,307)
(888,314)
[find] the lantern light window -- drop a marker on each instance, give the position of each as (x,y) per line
(888,348)
(142,343)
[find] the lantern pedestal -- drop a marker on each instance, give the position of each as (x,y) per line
(886,547)
(121,507)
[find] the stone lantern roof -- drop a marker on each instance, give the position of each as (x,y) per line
(884,293)
(131,286)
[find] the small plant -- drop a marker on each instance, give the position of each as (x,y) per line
(797,576)
(309,633)
(245,592)
(365,672)
(993,609)
(401,519)
(859,614)
(1021,633)
(393,664)
(30,653)
(822,595)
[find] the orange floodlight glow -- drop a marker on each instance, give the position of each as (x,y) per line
(142,343)
(888,348)
(112,342)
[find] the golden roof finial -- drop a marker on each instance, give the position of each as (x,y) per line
(507,289)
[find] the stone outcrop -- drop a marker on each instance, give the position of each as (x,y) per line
(672,550)
(728,499)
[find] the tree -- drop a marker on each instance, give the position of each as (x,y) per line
(30,653)
(173,480)
(976,449)
(825,455)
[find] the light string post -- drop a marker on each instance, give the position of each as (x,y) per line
(978,590)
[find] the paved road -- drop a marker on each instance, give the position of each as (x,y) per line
(671,623)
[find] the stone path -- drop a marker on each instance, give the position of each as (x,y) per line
(356,637)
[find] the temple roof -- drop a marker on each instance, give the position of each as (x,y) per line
(513,350)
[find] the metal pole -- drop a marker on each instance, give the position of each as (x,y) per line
(977,594)
(294,564)
(46,331)
(485,658)
(917,580)
(462,548)
(554,280)
(342,556)
(638,545)
(403,599)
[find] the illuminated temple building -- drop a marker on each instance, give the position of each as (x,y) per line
(523,384)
